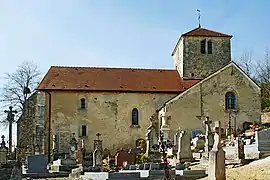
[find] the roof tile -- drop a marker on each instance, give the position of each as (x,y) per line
(114,79)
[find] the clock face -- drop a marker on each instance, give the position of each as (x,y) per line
(72,148)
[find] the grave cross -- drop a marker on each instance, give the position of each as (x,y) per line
(217,144)
(3,143)
(208,134)
(10,117)
(98,135)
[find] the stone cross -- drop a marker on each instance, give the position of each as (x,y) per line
(208,134)
(10,118)
(217,136)
(216,167)
(98,135)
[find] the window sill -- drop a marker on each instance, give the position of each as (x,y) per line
(135,126)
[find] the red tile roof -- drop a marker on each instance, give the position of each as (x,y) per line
(205,32)
(114,79)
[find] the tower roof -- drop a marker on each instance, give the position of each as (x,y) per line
(199,31)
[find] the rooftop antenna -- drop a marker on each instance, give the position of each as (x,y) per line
(199,17)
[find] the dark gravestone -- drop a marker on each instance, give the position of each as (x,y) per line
(141,166)
(124,176)
(132,167)
(37,164)
(161,166)
(154,166)
(146,166)
(180,166)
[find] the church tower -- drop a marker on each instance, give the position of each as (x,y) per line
(200,52)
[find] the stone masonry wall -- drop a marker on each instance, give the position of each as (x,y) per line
(184,109)
(106,113)
(198,64)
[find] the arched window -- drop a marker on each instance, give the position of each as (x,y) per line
(135,116)
(230,101)
(203,43)
(83,103)
(209,47)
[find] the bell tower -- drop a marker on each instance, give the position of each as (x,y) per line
(200,52)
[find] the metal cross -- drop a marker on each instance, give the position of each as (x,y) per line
(199,17)
(10,117)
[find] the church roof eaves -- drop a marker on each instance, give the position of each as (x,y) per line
(61,78)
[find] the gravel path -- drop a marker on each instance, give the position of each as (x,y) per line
(257,170)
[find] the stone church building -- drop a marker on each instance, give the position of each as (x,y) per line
(118,102)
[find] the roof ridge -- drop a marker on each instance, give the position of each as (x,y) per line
(202,28)
(126,68)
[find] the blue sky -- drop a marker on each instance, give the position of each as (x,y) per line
(121,33)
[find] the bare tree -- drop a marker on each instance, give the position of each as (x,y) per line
(20,85)
(263,78)
(247,63)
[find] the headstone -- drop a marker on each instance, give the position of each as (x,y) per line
(216,168)
(151,137)
(184,147)
(132,167)
(97,154)
(146,166)
(154,166)
(37,164)
(62,138)
(73,147)
(3,151)
(180,166)
(141,166)
(209,141)
(123,156)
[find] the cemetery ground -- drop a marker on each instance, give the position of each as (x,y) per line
(259,170)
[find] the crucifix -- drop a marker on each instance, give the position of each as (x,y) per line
(98,135)
(10,117)
(199,17)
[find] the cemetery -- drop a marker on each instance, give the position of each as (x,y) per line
(194,155)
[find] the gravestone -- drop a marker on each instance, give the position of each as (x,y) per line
(146,166)
(123,156)
(73,147)
(132,167)
(184,147)
(260,147)
(152,140)
(62,138)
(97,154)
(37,164)
(154,166)
(216,167)
(3,151)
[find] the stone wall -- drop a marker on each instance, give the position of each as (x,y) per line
(28,134)
(105,113)
(207,98)
(196,64)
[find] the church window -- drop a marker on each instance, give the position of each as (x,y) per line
(135,116)
(84,131)
(83,103)
(230,101)
(209,47)
(203,43)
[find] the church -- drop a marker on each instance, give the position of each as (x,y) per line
(118,102)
